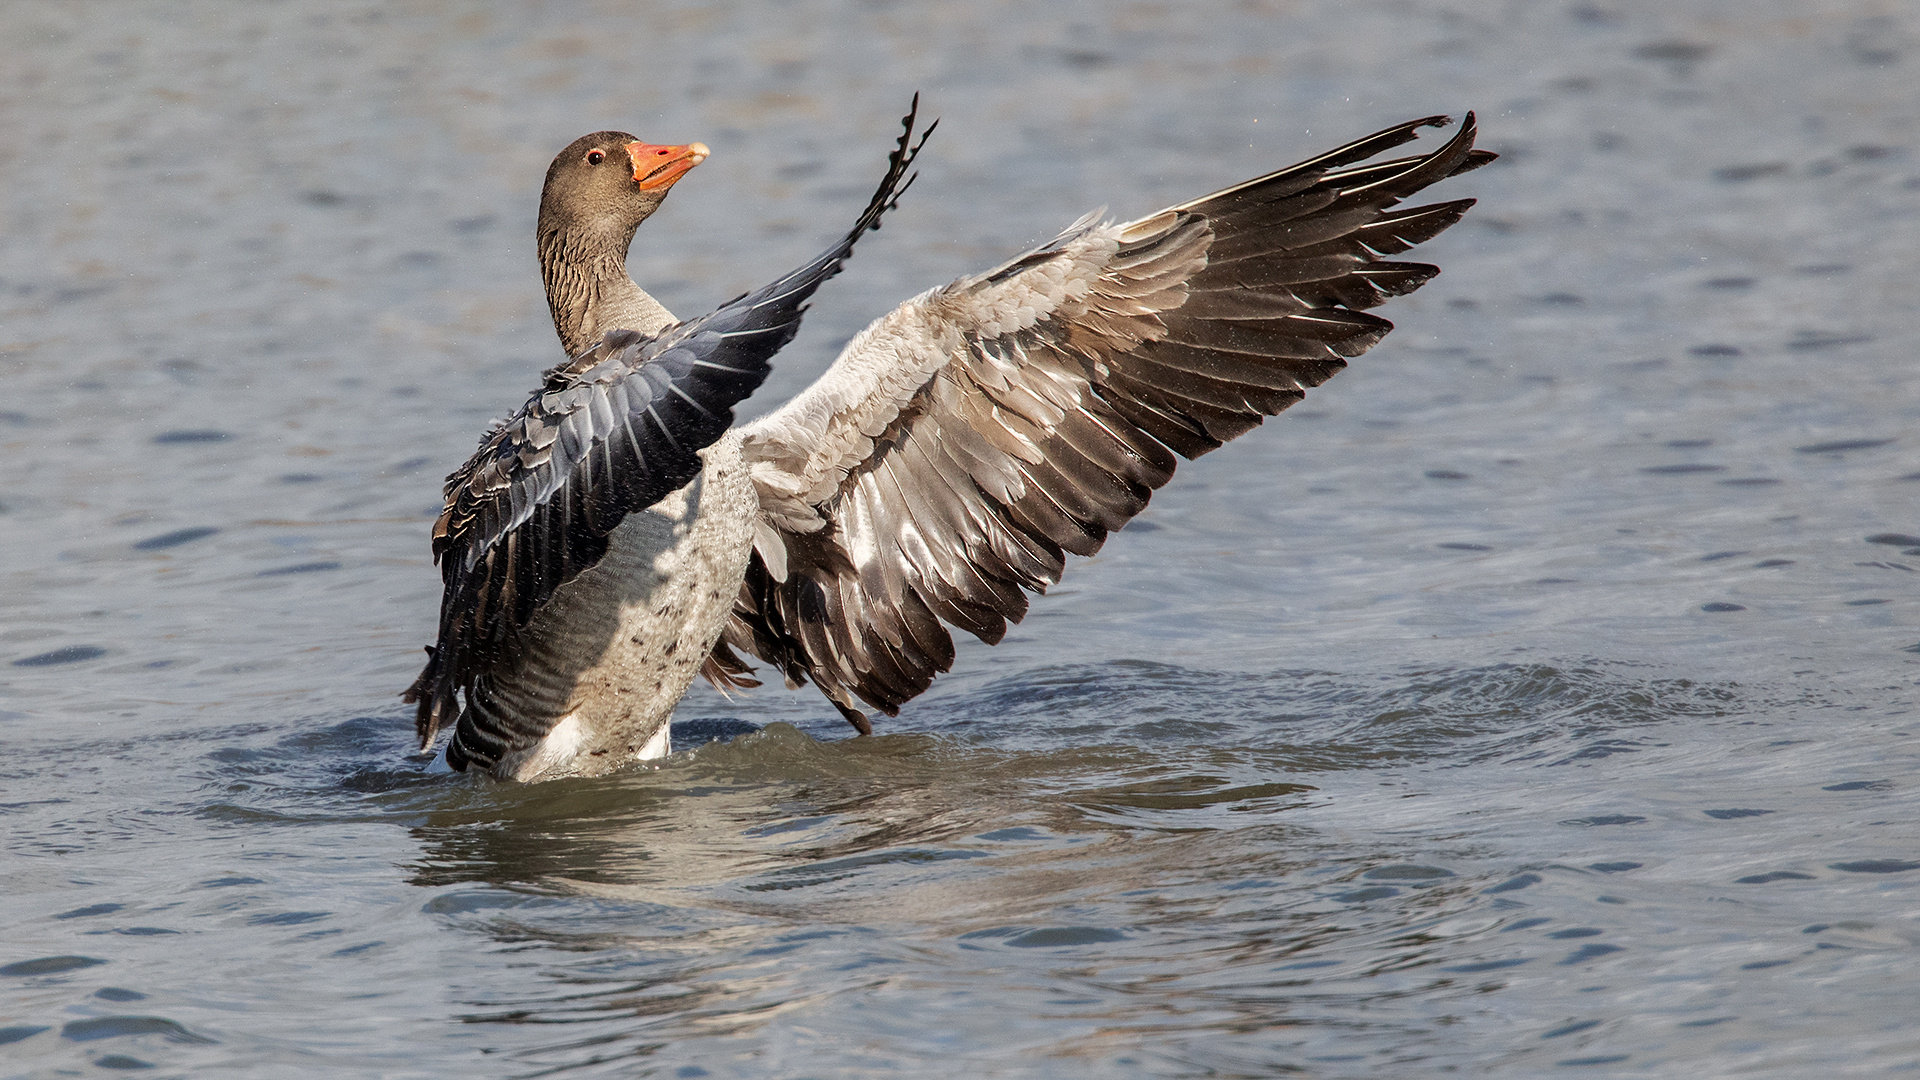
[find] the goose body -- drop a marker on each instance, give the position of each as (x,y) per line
(614,649)
(617,536)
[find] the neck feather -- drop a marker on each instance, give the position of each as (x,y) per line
(589,291)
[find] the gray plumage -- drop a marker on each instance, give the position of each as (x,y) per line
(940,470)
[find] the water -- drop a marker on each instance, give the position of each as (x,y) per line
(1536,698)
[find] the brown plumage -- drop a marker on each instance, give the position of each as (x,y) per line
(614,537)
(1034,435)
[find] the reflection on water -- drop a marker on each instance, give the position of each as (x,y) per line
(1535,698)
(1209,897)
(1401,867)
(801,812)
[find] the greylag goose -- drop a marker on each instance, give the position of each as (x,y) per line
(618,536)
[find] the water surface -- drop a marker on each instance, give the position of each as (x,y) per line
(1536,698)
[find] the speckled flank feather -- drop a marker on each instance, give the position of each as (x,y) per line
(966,441)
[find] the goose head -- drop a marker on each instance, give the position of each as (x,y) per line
(598,191)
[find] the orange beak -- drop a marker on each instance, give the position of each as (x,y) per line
(656,168)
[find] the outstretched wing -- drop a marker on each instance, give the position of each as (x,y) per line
(611,433)
(963,443)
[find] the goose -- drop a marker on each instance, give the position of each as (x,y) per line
(619,535)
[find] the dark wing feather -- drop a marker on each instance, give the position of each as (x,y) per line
(963,444)
(612,432)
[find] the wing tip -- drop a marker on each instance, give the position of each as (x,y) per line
(427,692)
(892,186)
(795,287)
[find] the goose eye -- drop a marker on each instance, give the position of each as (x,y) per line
(595,157)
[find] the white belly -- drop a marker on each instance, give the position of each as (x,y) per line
(571,744)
